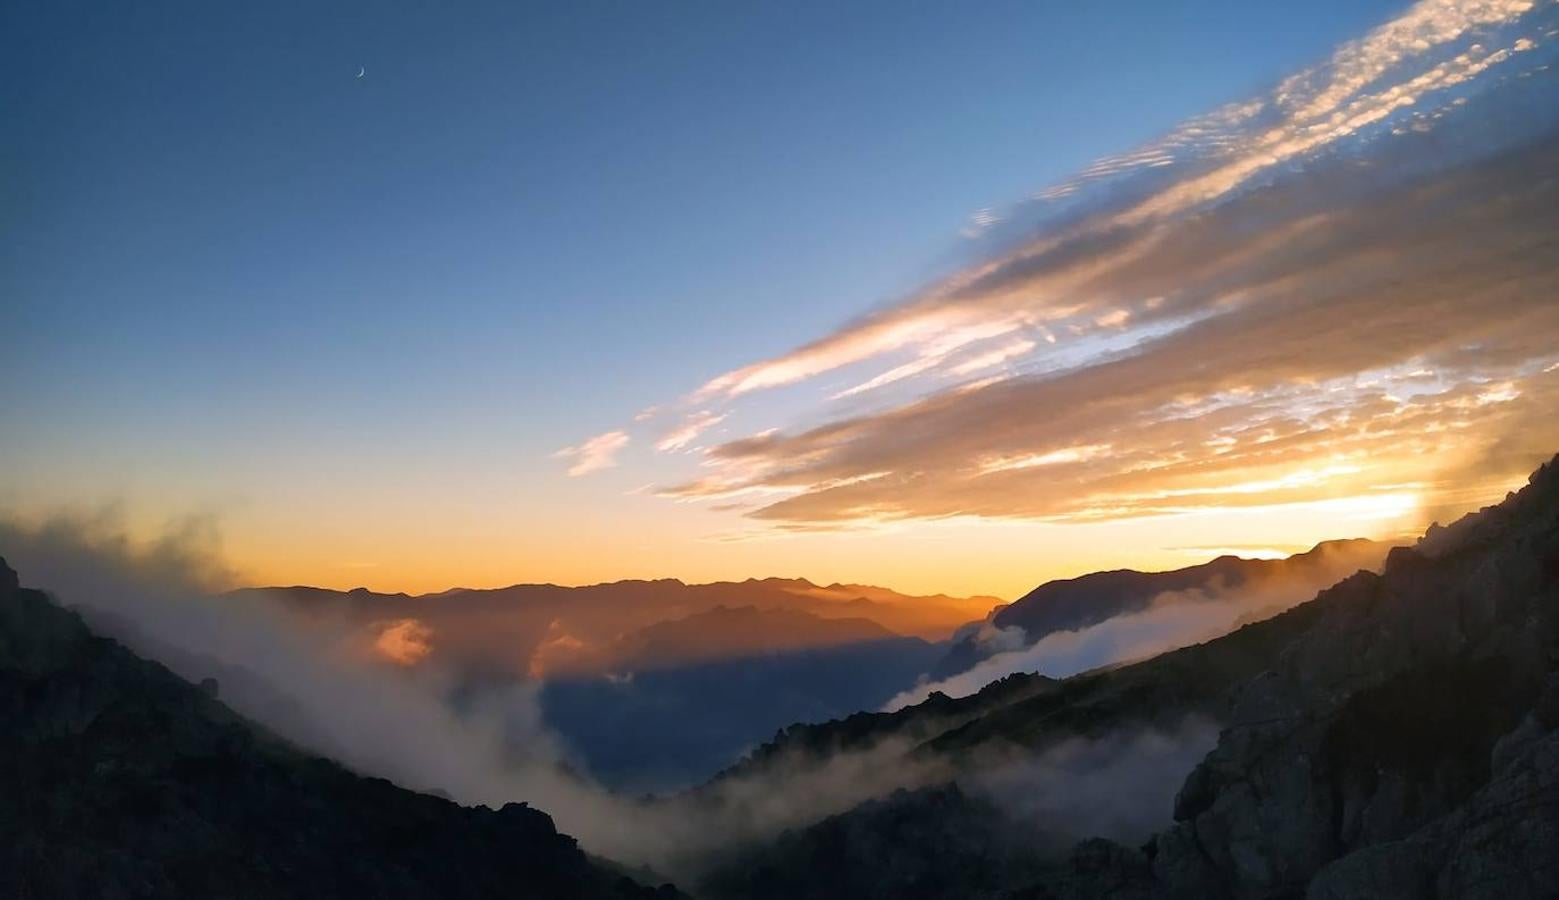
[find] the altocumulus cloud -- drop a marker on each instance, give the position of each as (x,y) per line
(1334,290)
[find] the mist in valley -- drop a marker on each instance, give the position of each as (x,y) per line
(318,681)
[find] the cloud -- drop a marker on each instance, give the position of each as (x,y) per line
(1170,620)
(1435,46)
(306,677)
(1358,63)
(595,454)
(1123,638)
(1242,311)
(310,678)
(995,357)
(1120,785)
(1247,279)
(404,642)
(690,428)
(1304,316)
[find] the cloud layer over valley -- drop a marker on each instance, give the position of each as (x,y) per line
(317,680)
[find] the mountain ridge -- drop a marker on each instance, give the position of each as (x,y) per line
(1451,650)
(124,780)
(1074,604)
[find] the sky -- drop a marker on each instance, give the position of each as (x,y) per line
(935,296)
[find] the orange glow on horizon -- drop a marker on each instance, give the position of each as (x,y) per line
(958,557)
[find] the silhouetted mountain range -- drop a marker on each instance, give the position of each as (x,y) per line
(1090,599)
(543,629)
(1261,586)
(727,632)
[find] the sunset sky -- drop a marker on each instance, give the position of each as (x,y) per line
(872,292)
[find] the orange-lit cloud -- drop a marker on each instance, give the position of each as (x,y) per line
(1397,70)
(404,642)
(1414,331)
(1317,296)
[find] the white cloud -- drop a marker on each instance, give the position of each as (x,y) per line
(996,357)
(1430,48)
(595,454)
(691,427)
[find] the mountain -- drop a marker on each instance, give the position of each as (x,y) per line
(727,679)
(728,662)
(1075,603)
(727,632)
(122,780)
(1396,736)
(1258,586)
(932,617)
(665,729)
(537,630)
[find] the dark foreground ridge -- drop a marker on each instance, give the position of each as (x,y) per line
(121,780)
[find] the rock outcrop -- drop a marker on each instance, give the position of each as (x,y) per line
(1397,736)
(1404,744)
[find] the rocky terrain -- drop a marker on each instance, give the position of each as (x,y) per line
(120,780)
(1394,737)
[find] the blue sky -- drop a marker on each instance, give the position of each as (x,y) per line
(614,198)
(235,274)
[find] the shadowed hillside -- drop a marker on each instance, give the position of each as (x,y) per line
(668,728)
(122,780)
(1240,589)
(1396,736)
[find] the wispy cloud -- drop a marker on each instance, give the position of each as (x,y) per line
(688,430)
(1365,83)
(1343,283)
(595,454)
(995,357)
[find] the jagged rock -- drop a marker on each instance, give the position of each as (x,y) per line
(1387,739)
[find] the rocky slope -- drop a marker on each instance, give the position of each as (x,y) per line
(121,780)
(1396,736)
(1404,745)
